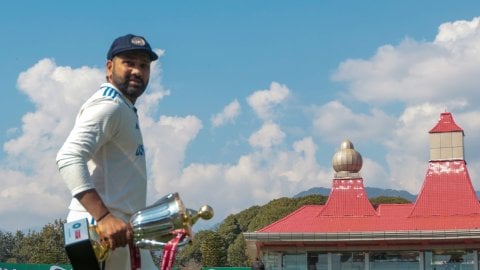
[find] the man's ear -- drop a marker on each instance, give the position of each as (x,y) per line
(109,66)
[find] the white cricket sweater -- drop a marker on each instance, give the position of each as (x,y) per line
(105,151)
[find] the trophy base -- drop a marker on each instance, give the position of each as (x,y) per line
(78,246)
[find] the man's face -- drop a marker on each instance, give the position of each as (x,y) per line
(129,72)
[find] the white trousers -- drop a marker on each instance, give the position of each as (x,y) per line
(119,259)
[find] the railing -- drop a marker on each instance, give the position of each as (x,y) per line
(365,236)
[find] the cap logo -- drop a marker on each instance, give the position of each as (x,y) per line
(138,41)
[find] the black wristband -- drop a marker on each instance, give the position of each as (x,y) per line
(104,215)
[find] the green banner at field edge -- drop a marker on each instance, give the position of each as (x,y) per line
(18,266)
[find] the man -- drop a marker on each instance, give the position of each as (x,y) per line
(103,160)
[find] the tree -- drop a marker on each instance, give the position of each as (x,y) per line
(16,252)
(191,254)
(46,246)
(229,229)
(246,216)
(52,242)
(27,248)
(388,200)
(213,250)
(236,252)
(7,244)
(311,200)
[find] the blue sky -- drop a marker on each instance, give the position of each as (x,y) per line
(249,99)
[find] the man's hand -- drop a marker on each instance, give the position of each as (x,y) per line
(115,231)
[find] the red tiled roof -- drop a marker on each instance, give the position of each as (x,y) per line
(348,198)
(307,220)
(447,191)
(447,202)
(445,124)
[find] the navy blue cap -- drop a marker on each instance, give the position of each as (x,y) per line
(130,43)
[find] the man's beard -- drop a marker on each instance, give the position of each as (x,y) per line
(122,83)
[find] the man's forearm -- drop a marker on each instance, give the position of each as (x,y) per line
(93,203)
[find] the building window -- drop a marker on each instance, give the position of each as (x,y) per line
(380,260)
(449,259)
(294,261)
(348,260)
(272,260)
(317,261)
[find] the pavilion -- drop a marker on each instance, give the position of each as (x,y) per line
(440,230)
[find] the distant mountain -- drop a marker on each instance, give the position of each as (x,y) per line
(372,192)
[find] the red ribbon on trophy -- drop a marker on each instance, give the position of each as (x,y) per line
(135,260)
(170,250)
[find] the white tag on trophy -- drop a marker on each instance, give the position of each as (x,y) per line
(78,245)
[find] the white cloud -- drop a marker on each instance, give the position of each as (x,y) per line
(255,178)
(300,165)
(148,103)
(267,136)
(56,93)
(263,102)
(409,146)
(458,30)
(419,71)
(374,174)
(334,122)
(30,181)
(167,141)
(228,115)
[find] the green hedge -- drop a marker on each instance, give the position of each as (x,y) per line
(16,266)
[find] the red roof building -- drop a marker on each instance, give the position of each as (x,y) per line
(440,230)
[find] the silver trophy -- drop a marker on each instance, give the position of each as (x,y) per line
(153,226)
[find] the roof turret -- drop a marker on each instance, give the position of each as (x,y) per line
(445,124)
